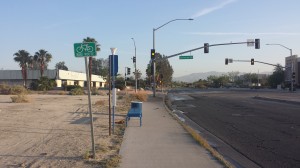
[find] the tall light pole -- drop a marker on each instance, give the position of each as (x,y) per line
(134,61)
(153,61)
(292,67)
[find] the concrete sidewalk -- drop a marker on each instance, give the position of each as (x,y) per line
(161,142)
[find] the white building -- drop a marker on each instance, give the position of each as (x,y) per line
(14,77)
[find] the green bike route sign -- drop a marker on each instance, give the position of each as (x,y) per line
(186,57)
(85,49)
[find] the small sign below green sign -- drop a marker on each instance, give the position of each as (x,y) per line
(186,57)
(85,49)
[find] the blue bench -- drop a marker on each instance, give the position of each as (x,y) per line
(135,111)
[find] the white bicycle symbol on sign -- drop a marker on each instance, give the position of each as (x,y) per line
(84,47)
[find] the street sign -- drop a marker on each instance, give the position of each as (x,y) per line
(113,65)
(85,49)
(186,57)
(250,42)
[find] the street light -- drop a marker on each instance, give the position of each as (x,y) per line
(153,61)
(135,64)
(291,52)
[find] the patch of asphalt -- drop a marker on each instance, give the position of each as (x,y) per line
(277,100)
(226,150)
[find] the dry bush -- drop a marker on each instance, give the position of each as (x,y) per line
(140,96)
(77,91)
(4,89)
(13,90)
(20,98)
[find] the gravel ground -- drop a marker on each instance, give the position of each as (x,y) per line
(54,131)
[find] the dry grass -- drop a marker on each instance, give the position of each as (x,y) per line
(20,98)
(206,145)
(100,103)
(108,146)
(12,90)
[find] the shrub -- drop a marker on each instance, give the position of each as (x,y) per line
(140,96)
(20,98)
(77,91)
(43,84)
(94,91)
(71,87)
(4,89)
(18,89)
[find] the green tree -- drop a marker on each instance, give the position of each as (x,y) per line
(24,59)
(218,81)
(86,40)
(100,67)
(163,72)
(42,57)
(61,65)
(277,76)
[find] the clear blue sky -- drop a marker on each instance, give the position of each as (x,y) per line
(54,25)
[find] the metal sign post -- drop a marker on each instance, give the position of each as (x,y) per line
(90,106)
(87,50)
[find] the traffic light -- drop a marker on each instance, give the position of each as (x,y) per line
(252,61)
(206,48)
(226,61)
(152,54)
(257,43)
(134,59)
(294,75)
(128,71)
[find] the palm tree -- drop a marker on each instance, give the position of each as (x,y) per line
(42,57)
(89,39)
(24,59)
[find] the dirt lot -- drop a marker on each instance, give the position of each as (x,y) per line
(54,131)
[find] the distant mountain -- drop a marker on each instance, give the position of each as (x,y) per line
(196,76)
(203,75)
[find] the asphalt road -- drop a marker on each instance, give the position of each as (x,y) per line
(266,132)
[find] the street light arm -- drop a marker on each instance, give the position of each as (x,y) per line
(169,22)
(281,46)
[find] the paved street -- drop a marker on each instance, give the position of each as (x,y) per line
(266,132)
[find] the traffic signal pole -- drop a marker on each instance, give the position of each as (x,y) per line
(212,45)
(154,66)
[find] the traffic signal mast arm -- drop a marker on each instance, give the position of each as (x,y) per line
(257,62)
(212,45)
